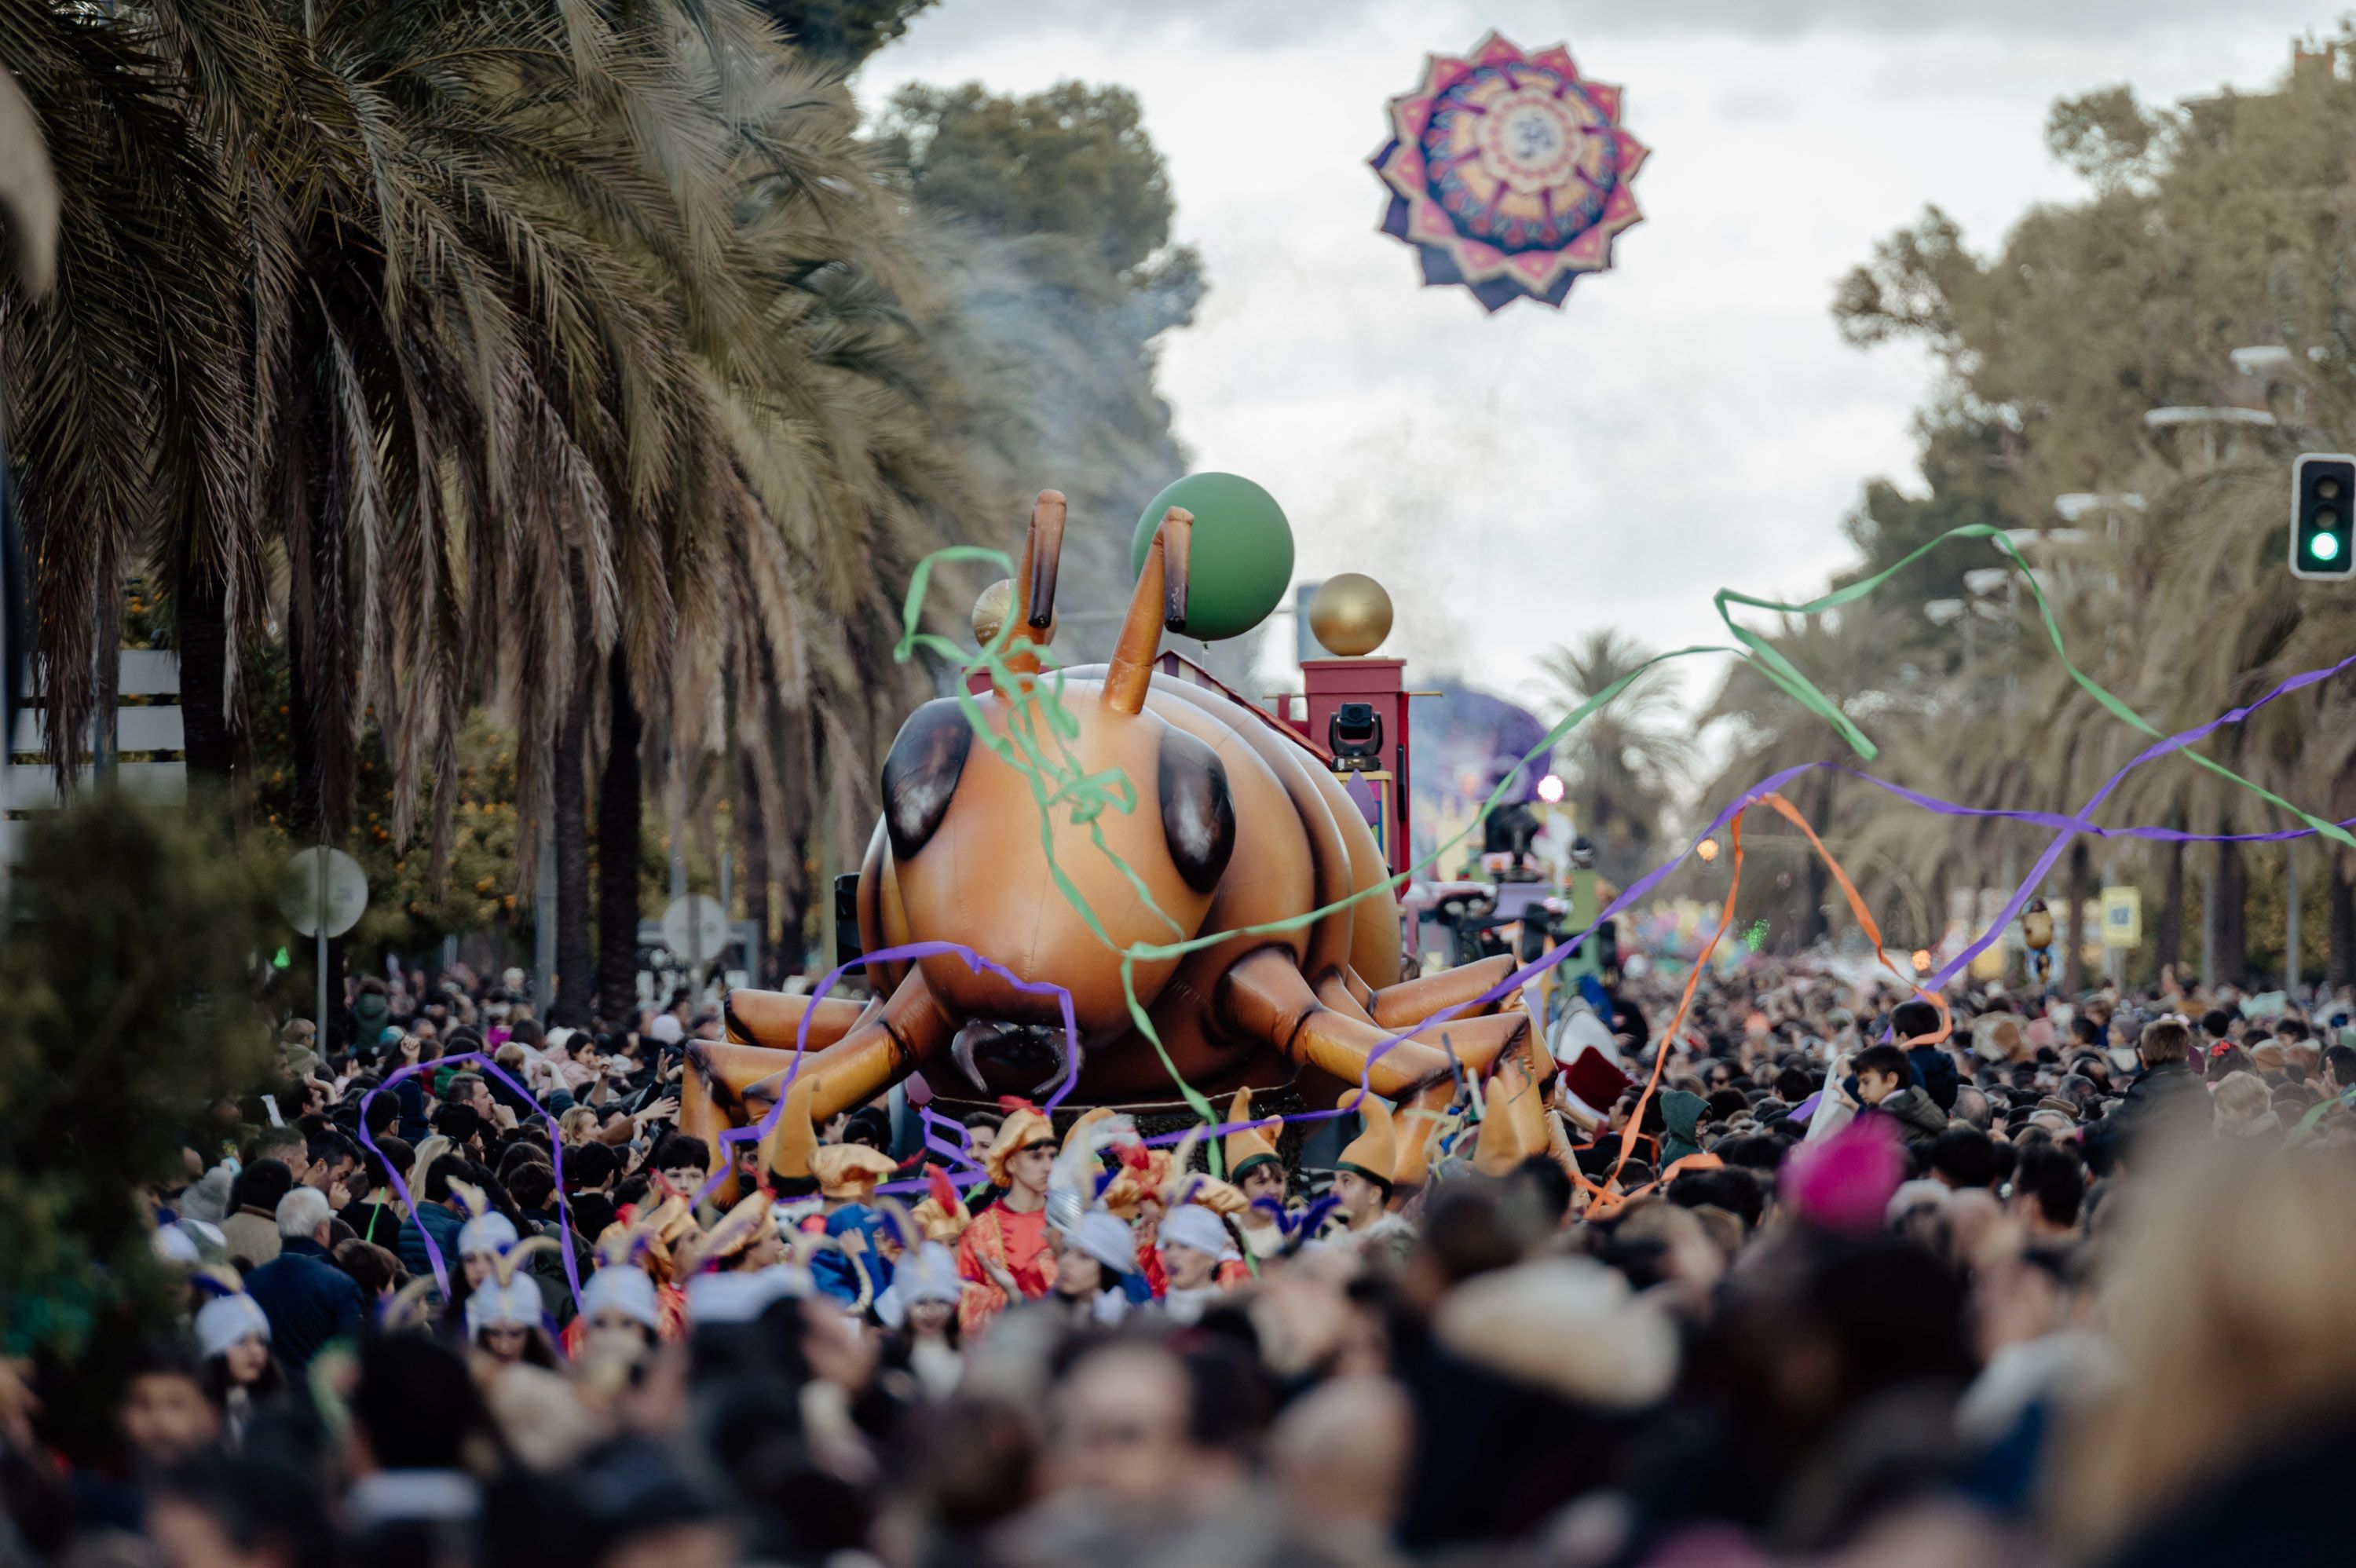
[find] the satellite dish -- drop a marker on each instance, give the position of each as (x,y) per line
(324,888)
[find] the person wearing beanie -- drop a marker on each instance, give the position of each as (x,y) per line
(920,1311)
(239,1372)
(1364,1174)
(1003,1252)
(1099,1253)
(618,1314)
(1194,1244)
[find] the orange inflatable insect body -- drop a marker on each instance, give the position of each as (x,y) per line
(1233,824)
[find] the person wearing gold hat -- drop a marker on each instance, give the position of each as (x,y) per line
(847,1176)
(1257,1172)
(1363,1175)
(1003,1252)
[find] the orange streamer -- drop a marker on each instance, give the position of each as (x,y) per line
(1600,1198)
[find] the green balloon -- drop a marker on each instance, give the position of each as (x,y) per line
(1240,562)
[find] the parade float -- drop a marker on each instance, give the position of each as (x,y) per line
(1126,884)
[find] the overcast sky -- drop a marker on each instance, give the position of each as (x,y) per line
(1688,422)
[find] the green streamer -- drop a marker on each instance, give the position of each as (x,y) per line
(1040,728)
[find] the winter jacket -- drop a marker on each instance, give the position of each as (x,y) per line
(371,1015)
(443,1223)
(413,1128)
(1916,1115)
(307,1299)
(2168,1094)
(251,1235)
(1934,1070)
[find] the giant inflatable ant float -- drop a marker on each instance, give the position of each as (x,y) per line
(1236,824)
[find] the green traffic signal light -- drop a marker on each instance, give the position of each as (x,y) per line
(2323,521)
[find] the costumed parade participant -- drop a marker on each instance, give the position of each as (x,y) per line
(505,1319)
(1194,1244)
(619,1315)
(1098,1257)
(1363,1172)
(1004,1251)
(857,1268)
(1257,1172)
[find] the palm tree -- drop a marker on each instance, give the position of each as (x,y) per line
(1622,766)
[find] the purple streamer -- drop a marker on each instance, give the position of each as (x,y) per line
(2019,898)
(2065,827)
(973,961)
(555,1163)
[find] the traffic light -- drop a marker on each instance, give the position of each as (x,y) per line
(2323,517)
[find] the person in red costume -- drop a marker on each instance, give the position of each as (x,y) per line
(1004,1251)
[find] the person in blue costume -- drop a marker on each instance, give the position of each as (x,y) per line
(847,1175)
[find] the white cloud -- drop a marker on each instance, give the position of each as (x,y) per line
(1688,421)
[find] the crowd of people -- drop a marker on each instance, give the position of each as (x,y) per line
(1811,1270)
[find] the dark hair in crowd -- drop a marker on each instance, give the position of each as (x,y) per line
(1913,1020)
(1965,1157)
(590,1167)
(2051,1174)
(261,1184)
(417,1406)
(679,1149)
(1885,1060)
(2340,1060)
(376,1270)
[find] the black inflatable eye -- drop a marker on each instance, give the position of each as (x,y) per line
(1198,817)
(920,777)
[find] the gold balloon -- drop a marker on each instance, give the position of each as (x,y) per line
(1350,614)
(989,610)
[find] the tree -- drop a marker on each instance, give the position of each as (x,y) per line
(844,32)
(1074,160)
(2210,227)
(129,1015)
(1623,764)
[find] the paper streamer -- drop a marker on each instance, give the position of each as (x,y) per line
(1039,725)
(973,961)
(1058,780)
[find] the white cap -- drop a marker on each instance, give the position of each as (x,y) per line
(1107,1239)
(513,1304)
(227,1320)
(664,1029)
(624,1289)
(493,1232)
(174,1245)
(1192,1226)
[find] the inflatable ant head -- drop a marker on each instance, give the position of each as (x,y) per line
(962,854)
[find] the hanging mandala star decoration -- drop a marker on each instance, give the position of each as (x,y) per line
(1509,173)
